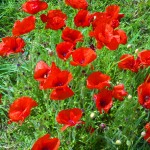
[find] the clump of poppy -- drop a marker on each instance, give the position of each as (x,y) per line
(33,7)
(147,134)
(54,78)
(72,35)
(111,16)
(55,19)
(46,143)
(119,92)
(83,18)
(24,26)
(83,56)
(104,31)
(144,58)
(144,95)
(98,80)
(11,45)
(20,109)
(77,4)
(64,50)
(104,100)
(128,62)
(69,117)
(107,36)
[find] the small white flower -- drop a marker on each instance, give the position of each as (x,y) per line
(143,133)
(118,82)
(129,96)
(118,142)
(129,46)
(92,115)
(136,51)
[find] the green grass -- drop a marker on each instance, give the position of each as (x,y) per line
(125,121)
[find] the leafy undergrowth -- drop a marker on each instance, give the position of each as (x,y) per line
(126,119)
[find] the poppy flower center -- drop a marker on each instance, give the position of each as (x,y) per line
(82,61)
(131,64)
(14,48)
(45,148)
(103,103)
(146,98)
(64,54)
(58,84)
(71,122)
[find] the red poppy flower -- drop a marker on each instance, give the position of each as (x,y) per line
(147,135)
(144,95)
(119,92)
(77,4)
(24,26)
(83,18)
(61,93)
(46,143)
(122,35)
(83,56)
(33,7)
(41,71)
(127,62)
(104,100)
(111,16)
(10,45)
(20,109)
(69,117)
(71,35)
(55,19)
(144,58)
(64,50)
(98,80)
(57,81)
(107,36)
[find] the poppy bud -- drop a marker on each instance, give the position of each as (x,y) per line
(129,46)
(118,142)
(136,51)
(103,125)
(143,133)
(92,115)
(129,96)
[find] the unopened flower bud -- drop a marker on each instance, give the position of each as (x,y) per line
(118,82)
(143,133)
(92,115)
(129,46)
(103,125)
(118,142)
(129,96)
(136,51)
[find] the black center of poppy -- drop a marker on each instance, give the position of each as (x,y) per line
(45,148)
(146,98)
(59,84)
(64,54)
(82,61)
(14,48)
(71,122)
(103,103)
